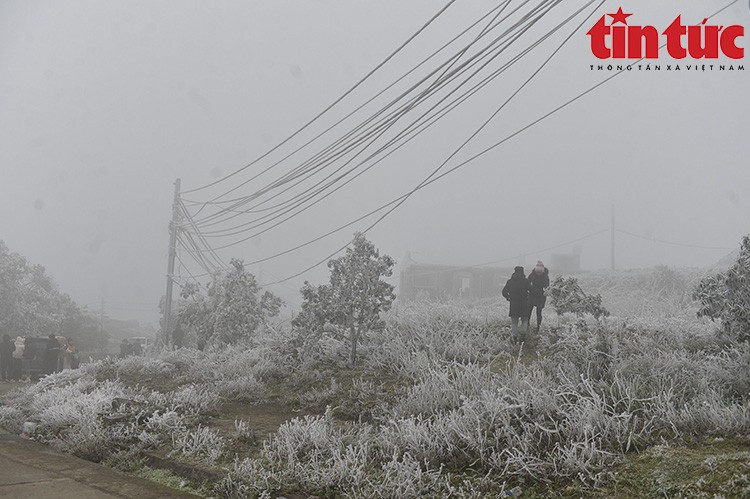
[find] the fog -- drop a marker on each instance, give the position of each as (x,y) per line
(104,104)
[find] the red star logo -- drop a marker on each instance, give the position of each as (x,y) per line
(619,17)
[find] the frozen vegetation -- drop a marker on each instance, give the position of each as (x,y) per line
(437,401)
(440,405)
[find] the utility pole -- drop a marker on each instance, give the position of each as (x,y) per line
(173,227)
(613,237)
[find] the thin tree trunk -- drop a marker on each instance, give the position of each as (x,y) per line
(353,339)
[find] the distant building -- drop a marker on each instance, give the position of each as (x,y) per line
(419,280)
(566,262)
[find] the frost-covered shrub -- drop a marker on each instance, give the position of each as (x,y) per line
(710,415)
(568,297)
(232,371)
(319,398)
(194,400)
(729,372)
(425,438)
(245,388)
(404,476)
(655,292)
(303,439)
(11,417)
(424,335)
(444,388)
(244,432)
(140,366)
(247,478)
(106,420)
(322,351)
(202,444)
(311,454)
(726,296)
(74,418)
(166,422)
(262,362)
(366,399)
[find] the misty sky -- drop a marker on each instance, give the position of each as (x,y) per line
(104,103)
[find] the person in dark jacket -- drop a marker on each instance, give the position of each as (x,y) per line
(136,348)
(539,282)
(6,357)
(51,355)
(178,336)
(516,291)
(126,348)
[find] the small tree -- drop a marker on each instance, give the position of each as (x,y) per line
(231,311)
(354,298)
(726,296)
(31,304)
(567,296)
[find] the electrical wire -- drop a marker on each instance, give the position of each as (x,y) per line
(501,6)
(460,165)
(434,117)
(403,197)
(431,178)
(201,237)
(661,241)
(338,100)
(296,172)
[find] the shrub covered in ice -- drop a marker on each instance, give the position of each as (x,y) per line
(567,296)
(202,444)
(726,296)
(194,400)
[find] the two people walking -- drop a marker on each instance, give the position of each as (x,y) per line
(525,294)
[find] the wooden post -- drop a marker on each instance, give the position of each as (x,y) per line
(173,227)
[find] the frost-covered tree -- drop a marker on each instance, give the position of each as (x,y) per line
(568,296)
(31,304)
(351,303)
(231,310)
(726,296)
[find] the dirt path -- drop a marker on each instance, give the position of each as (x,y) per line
(34,471)
(31,470)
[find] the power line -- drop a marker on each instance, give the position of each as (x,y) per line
(405,133)
(492,116)
(661,241)
(211,250)
(342,97)
(481,153)
(196,254)
(434,118)
(403,197)
(501,6)
(428,180)
(197,282)
(388,121)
